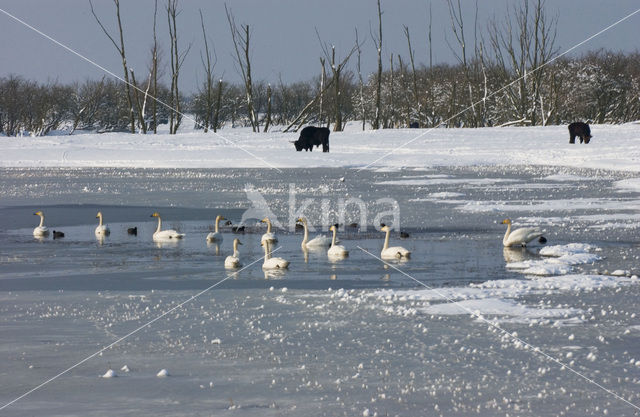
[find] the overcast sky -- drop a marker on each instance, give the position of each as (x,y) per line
(285,44)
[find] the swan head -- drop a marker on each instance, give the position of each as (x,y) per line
(38,213)
(506,221)
(333,228)
(385,228)
(265,220)
(219,217)
(236,241)
(99,214)
(155,214)
(301,220)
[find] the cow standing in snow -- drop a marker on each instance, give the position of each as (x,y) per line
(312,136)
(581,130)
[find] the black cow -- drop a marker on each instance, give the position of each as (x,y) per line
(312,136)
(581,130)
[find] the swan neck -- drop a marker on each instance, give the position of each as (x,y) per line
(268,226)
(159,225)
(41,220)
(267,252)
(306,233)
(333,240)
(217,222)
(100,220)
(386,240)
(507,233)
(235,249)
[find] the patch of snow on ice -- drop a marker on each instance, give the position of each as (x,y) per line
(566,177)
(559,261)
(446,194)
(628,185)
(568,249)
(498,307)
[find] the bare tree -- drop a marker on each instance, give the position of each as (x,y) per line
(208,85)
(378,42)
(361,100)
(154,71)
(323,80)
(337,69)
(267,118)
(139,102)
(522,52)
(123,57)
(457,27)
(241,42)
(177,59)
(414,79)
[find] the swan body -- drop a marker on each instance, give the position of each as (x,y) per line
(272,263)
(41,230)
(164,235)
(101,230)
(316,242)
(216,236)
(520,236)
(233,261)
(393,252)
(269,236)
(336,251)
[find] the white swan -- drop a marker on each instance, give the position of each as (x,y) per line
(41,230)
(318,241)
(272,263)
(164,235)
(102,230)
(233,261)
(336,251)
(216,236)
(394,252)
(269,236)
(520,236)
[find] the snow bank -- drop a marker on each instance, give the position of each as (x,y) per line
(613,147)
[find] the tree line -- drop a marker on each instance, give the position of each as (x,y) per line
(507,76)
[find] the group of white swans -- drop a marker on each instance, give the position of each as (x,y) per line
(335,251)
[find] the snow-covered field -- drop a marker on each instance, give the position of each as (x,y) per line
(464,332)
(612,147)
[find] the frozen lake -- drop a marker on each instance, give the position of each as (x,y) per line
(352,337)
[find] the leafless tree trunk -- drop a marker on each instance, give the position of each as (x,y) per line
(363,111)
(378,42)
(414,79)
(323,80)
(430,80)
(241,43)
(154,71)
(392,106)
(216,115)
(267,122)
(177,59)
(208,70)
(139,105)
(121,51)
